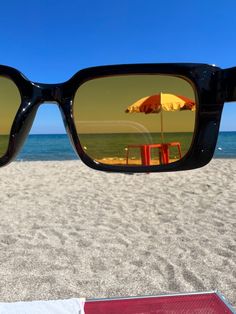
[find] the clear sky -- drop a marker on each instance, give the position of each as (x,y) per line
(50,40)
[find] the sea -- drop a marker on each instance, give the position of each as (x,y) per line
(57,147)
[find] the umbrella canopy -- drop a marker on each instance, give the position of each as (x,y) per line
(161,102)
(157,103)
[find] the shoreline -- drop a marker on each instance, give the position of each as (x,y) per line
(70,231)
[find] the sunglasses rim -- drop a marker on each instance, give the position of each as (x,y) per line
(204,79)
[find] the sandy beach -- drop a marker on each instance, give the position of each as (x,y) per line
(70,231)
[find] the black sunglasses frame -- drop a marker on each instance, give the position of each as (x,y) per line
(212,86)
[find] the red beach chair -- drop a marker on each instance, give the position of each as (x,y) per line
(199,303)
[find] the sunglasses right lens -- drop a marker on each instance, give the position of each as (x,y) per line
(10,100)
(135,120)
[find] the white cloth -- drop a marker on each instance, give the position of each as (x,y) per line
(70,306)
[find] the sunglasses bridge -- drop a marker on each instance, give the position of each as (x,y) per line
(39,94)
(48,92)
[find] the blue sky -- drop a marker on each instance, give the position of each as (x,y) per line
(50,40)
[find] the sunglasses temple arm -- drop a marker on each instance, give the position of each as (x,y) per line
(228,84)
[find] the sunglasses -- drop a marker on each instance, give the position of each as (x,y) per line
(125,118)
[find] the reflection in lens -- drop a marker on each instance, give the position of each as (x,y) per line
(10,100)
(135,119)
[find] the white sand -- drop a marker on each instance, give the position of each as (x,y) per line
(69,231)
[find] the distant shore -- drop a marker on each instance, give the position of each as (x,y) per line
(69,231)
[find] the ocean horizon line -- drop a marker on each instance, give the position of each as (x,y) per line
(57,146)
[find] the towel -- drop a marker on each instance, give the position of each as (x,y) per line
(70,306)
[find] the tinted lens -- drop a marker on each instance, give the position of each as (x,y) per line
(135,119)
(10,100)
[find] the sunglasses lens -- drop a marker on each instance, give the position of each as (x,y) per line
(135,120)
(10,101)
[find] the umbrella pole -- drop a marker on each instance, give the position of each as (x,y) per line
(162,135)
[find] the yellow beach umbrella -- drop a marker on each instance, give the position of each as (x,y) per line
(159,102)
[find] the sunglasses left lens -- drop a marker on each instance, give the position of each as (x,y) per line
(10,100)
